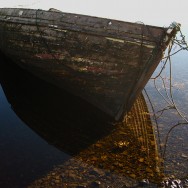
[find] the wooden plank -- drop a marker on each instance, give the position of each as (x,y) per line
(73,42)
(87,24)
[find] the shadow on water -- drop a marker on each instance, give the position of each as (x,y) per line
(64,120)
(100,149)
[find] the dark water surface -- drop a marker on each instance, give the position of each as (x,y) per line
(24,155)
(49,138)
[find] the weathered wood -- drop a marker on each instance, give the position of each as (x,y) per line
(106,62)
(94,25)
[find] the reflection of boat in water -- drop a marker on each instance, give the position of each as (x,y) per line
(127,148)
(106,62)
(62,119)
(131,148)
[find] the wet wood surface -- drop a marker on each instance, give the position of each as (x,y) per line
(106,62)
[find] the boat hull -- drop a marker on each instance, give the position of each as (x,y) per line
(106,62)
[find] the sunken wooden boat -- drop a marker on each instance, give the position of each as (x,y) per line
(106,62)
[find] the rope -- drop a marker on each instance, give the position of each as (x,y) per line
(168,97)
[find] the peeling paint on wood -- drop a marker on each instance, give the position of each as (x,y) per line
(106,62)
